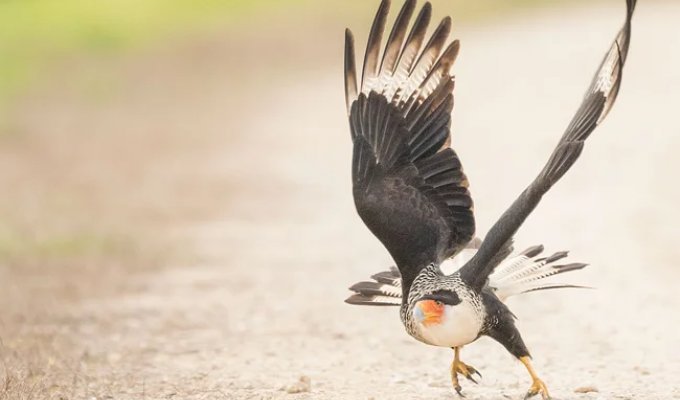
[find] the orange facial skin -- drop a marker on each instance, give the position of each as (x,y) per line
(432,312)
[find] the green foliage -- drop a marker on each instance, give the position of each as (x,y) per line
(33,32)
(62,247)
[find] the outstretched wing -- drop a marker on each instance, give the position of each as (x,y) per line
(597,102)
(408,184)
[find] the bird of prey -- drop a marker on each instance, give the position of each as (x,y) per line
(410,190)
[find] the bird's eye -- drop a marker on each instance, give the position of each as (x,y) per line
(438,303)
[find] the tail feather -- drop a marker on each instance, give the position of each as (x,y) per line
(376,289)
(555,286)
(361,300)
(550,270)
(385,291)
(511,266)
(523,273)
(391,277)
(533,251)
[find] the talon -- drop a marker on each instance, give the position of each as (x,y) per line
(531,393)
(467,371)
(459,367)
(470,378)
(537,385)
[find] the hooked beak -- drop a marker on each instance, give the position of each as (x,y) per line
(428,312)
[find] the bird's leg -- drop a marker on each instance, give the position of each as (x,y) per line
(459,367)
(537,385)
(502,329)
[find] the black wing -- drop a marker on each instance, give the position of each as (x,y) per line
(597,102)
(408,184)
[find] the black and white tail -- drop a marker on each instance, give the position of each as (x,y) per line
(522,273)
(527,272)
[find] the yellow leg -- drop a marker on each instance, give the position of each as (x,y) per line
(537,385)
(459,367)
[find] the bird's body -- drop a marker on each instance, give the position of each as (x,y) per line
(477,313)
(410,190)
(460,324)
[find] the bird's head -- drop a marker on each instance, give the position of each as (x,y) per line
(431,308)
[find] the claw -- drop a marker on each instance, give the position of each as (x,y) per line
(467,371)
(473,370)
(459,367)
(470,378)
(538,387)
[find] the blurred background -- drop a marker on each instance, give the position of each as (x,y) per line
(176,217)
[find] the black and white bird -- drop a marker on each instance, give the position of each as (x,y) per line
(410,190)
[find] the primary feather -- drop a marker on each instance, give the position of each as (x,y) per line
(408,184)
(597,102)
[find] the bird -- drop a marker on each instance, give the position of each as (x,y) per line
(410,190)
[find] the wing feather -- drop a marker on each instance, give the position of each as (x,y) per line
(414,41)
(370,69)
(350,70)
(396,39)
(597,102)
(409,187)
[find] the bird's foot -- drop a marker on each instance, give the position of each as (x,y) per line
(538,387)
(468,371)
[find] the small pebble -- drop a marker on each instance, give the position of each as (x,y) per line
(586,389)
(303,385)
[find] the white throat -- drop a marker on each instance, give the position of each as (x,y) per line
(459,326)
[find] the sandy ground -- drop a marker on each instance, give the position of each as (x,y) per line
(260,306)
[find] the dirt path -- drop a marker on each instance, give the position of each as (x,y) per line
(262,306)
